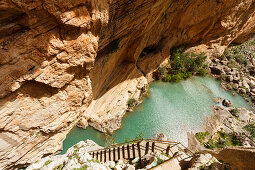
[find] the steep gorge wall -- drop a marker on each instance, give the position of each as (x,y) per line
(67,62)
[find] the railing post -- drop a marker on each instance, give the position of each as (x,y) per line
(153,147)
(110,154)
(101,156)
(114,155)
(123,151)
(147,148)
(139,150)
(167,150)
(128,151)
(97,155)
(118,153)
(133,148)
(93,155)
(105,155)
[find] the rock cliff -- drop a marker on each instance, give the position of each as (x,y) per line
(65,63)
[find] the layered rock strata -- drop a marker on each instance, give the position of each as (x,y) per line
(67,63)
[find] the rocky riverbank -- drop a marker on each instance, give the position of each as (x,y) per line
(228,130)
(226,127)
(236,69)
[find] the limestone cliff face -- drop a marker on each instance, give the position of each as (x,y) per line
(65,63)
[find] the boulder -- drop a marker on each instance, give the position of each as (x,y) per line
(224,62)
(227,69)
(130,167)
(216,70)
(236,79)
(245,84)
(234,71)
(202,160)
(253,61)
(230,78)
(161,136)
(241,91)
(252,83)
(226,103)
(235,86)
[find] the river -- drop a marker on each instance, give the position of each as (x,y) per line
(172,108)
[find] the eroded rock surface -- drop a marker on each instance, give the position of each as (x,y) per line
(67,62)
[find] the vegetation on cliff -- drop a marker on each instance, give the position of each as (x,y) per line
(219,140)
(237,54)
(183,65)
(251,129)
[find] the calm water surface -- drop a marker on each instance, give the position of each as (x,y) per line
(173,109)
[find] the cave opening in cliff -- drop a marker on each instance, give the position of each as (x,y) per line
(154,48)
(108,49)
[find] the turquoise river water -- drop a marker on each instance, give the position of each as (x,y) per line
(172,108)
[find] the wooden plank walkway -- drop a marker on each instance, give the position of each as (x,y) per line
(139,148)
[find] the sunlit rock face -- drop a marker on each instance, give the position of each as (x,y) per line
(66,63)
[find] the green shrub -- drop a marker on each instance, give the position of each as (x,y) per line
(162,70)
(139,136)
(222,141)
(167,78)
(187,75)
(60,167)
(184,65)
(251,129)
(240,58)
(85,167)
(177,77)
(47,162)
(234,112)
(202,72)
(238,54)
(159,161)
(127,140)
(200,136)
(232,63)
(210,144)
(132,102)
(186,62)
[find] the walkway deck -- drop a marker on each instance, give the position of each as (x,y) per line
(139,148)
